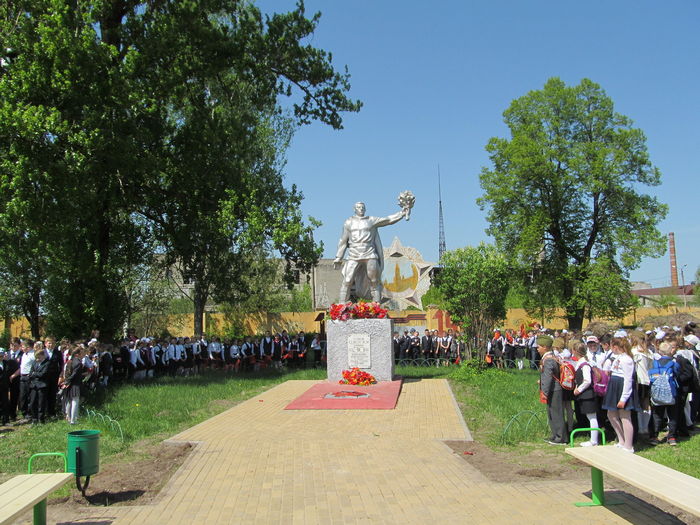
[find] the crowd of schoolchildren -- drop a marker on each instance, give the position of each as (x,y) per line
(44,380)
(148,357)
(39,378)
(442,347)
(509,348)
(637,385)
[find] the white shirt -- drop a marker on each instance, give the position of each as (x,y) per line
(586,371)
(26,362)
(643,360)
(135,356)
(169,353)
(215,348)
(623,366)
(88,362)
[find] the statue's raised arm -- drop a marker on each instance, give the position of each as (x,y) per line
(365,256)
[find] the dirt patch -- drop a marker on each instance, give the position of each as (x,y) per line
(507,467)
(131,483)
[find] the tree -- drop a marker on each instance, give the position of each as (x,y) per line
(666,301)
(563,192)
(72,134)
(474,283)
(605,293)
(433,297)
(111,107)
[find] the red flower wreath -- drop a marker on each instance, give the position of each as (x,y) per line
(355,376)
(361,310)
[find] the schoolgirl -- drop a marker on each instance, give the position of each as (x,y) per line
(585,398)
(643,361)
(214,350)
(72,382)
(621,396)
(234,352)
(189,356)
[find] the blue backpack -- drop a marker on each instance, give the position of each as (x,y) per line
(663,384)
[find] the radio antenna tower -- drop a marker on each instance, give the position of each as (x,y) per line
(441,242)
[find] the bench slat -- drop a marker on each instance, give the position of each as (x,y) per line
(632,467)
(661,481)
(647,474)
(21,493)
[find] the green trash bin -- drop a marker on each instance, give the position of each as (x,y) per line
(84,452)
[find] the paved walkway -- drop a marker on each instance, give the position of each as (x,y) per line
(258,463)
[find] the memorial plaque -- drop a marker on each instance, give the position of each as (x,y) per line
(358,351)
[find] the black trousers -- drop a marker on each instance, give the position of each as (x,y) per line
(37,404)
(5,404)
(51,395)
(14,397)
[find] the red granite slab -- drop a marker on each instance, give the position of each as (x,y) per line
(380,396)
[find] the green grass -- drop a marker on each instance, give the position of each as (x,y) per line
(151,411)
(491,398)
(418,372)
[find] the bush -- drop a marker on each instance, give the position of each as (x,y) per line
(470,368)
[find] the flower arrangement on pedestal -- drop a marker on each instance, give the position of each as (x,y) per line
(355,376)
(361,310)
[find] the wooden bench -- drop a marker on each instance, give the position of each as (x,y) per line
(23,492)
(667,484)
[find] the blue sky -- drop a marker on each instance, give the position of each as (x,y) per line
(435,78)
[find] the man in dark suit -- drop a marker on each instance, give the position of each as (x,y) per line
(12,362)
(435,344)
(396,343)
(426,343)
(55,359)
(414,347)
(404,344)
(4,387)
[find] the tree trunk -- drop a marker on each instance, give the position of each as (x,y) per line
(7,318)
(31,312)
(200,300)
(575,319)
(574,316)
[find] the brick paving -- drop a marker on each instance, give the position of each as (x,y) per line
(260,464)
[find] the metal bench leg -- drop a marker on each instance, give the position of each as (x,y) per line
(597,491)
(40,513)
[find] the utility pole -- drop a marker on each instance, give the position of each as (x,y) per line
(685,299)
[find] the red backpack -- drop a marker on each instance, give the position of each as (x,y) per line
(567,375)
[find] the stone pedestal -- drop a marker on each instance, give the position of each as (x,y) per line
(362,343)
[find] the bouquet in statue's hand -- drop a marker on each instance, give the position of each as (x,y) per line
(406,201)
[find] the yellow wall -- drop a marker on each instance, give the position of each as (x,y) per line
(183,325)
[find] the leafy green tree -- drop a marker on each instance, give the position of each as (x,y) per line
(605,293)
(71,137)
(433,297)
(667,300)
(474,283)
(112,107)
(564,191)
